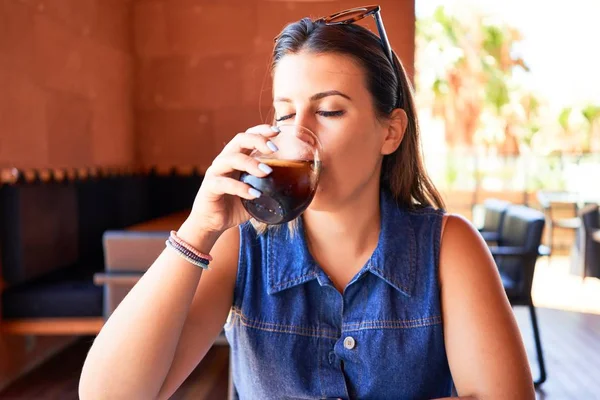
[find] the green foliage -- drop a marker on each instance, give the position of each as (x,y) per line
(473,82)
(591,113)
(493,41)
(496,90)
(563,118)
(450,25)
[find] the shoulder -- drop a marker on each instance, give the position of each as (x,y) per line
(463,252)
(458,234)
(457,228)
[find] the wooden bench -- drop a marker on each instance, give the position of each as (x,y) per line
(51,227)
(39,229)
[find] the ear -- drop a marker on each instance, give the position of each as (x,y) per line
(395,131)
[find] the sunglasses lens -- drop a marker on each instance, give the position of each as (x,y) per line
(350,15)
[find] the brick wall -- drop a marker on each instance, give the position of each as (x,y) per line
(201,72)
(159,82)
(66,100)
(156,82)
(66,83)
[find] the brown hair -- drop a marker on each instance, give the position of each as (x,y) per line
(403,172)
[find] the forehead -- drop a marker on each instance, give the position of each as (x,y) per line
(305,74)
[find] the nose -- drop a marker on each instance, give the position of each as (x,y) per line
(307,119)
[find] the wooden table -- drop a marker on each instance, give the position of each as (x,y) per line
(136,247)
(163,224)
(128,253)
(578,200)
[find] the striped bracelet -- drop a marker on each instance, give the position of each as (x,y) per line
(187,255)
(188,246)
(187,252)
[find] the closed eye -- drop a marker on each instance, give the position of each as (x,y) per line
(284,117)
(321,113)
(331,113)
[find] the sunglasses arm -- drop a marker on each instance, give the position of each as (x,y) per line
(384,39)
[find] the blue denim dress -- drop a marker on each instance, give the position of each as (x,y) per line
(294,336)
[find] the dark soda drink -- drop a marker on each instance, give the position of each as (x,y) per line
(286,192)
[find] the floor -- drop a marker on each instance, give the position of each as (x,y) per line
(58,378)
(570,338)
(571,344)
(554,286)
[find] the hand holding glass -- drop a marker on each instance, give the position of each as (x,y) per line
(290,188)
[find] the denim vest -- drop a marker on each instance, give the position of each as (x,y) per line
(294,336)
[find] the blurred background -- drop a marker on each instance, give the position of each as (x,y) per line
(110,111)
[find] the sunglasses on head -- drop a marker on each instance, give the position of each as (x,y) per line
(353,15)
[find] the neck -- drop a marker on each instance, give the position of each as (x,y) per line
(347,228)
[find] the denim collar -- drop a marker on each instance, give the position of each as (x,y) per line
(289,262)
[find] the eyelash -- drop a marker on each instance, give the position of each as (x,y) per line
(322,113)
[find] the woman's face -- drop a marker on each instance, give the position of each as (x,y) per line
(327,94)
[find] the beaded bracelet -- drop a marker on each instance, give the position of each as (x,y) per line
(187,252)
(188,246)
(186,255)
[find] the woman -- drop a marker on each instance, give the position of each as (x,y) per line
(379,294)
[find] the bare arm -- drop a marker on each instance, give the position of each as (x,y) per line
(133,352)
(167,322)
(207,314)
(484,346)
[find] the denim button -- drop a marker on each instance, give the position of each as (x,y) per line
(349,342)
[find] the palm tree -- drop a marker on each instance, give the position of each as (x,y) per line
(499,65)
(591,113)
(473,71)
(456,88)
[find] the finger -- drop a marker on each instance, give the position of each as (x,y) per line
(228,163)
(246,142)
(222,185)
(264,130)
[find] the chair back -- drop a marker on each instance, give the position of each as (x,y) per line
(494,211)
(590,218)
(522,228)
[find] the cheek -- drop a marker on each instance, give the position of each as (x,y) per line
(350,154)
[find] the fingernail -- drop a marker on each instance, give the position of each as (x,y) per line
(254,193)
(272,146)
(276,129)
(265,168)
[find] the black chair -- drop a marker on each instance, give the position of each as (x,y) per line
(590,218)
(516,256)
(494,211)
